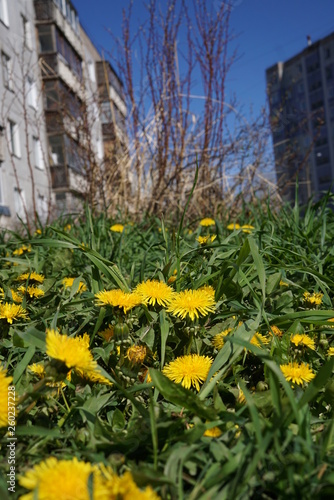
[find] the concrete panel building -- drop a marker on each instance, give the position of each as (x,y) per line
(301,98)
(24,174)
(52,121)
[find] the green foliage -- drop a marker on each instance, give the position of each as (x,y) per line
(249,432)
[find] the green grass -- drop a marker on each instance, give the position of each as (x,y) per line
(278,443)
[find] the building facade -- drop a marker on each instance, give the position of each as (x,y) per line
(301,100)
(24,175)
(62,161)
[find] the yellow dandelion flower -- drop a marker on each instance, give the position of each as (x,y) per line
(4,399)
(73,351)
(214,432)
(124,487)
(219,339)
(32,277)
(208,289)
(155,292)
(297,373)
(117,228)
(233,227)
(312,299)
(37,369)
(189,371)
(38,231)
(192,303)
(16,296)
(207,222)
(67,227)
(276,331)
(303,340)
(118,298)
(22,249)
(259,340)
(54,479)
(283,283)
(330,351)
(241,396)
(108,333)
(93,376)
(68,283)
(32,291)
(203,240)
(136,354)
(247,228)
(11,312)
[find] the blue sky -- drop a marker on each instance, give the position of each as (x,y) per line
(266,31)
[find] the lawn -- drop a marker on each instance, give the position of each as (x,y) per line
(146,360)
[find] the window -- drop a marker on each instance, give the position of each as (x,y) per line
(38,153)
(4,12)
(13,138)
(91,71)
(56,150)
(27,39)
(51,95)
(45,38)
(7,71)
(31,89)
(20,203)
(42,207)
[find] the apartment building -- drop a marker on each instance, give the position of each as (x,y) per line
(301,99)
(24,176)
(68,137)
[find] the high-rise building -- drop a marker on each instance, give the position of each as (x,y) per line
(24,176)
(52,150)
(301,100)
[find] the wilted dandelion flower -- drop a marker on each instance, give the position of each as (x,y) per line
(203,240)
(259,340)
(108,333)
(192,303)
(11,312)
(118,298)
(219,339)
(39,278)
(32,291)
(172,278)
(4,383)
(117,228)
(136,354)
(190,370)
(154,292)
(276,331)
(297,373)
(207,222)
(54,479)
(303,340)
(68,283)
(312,299)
